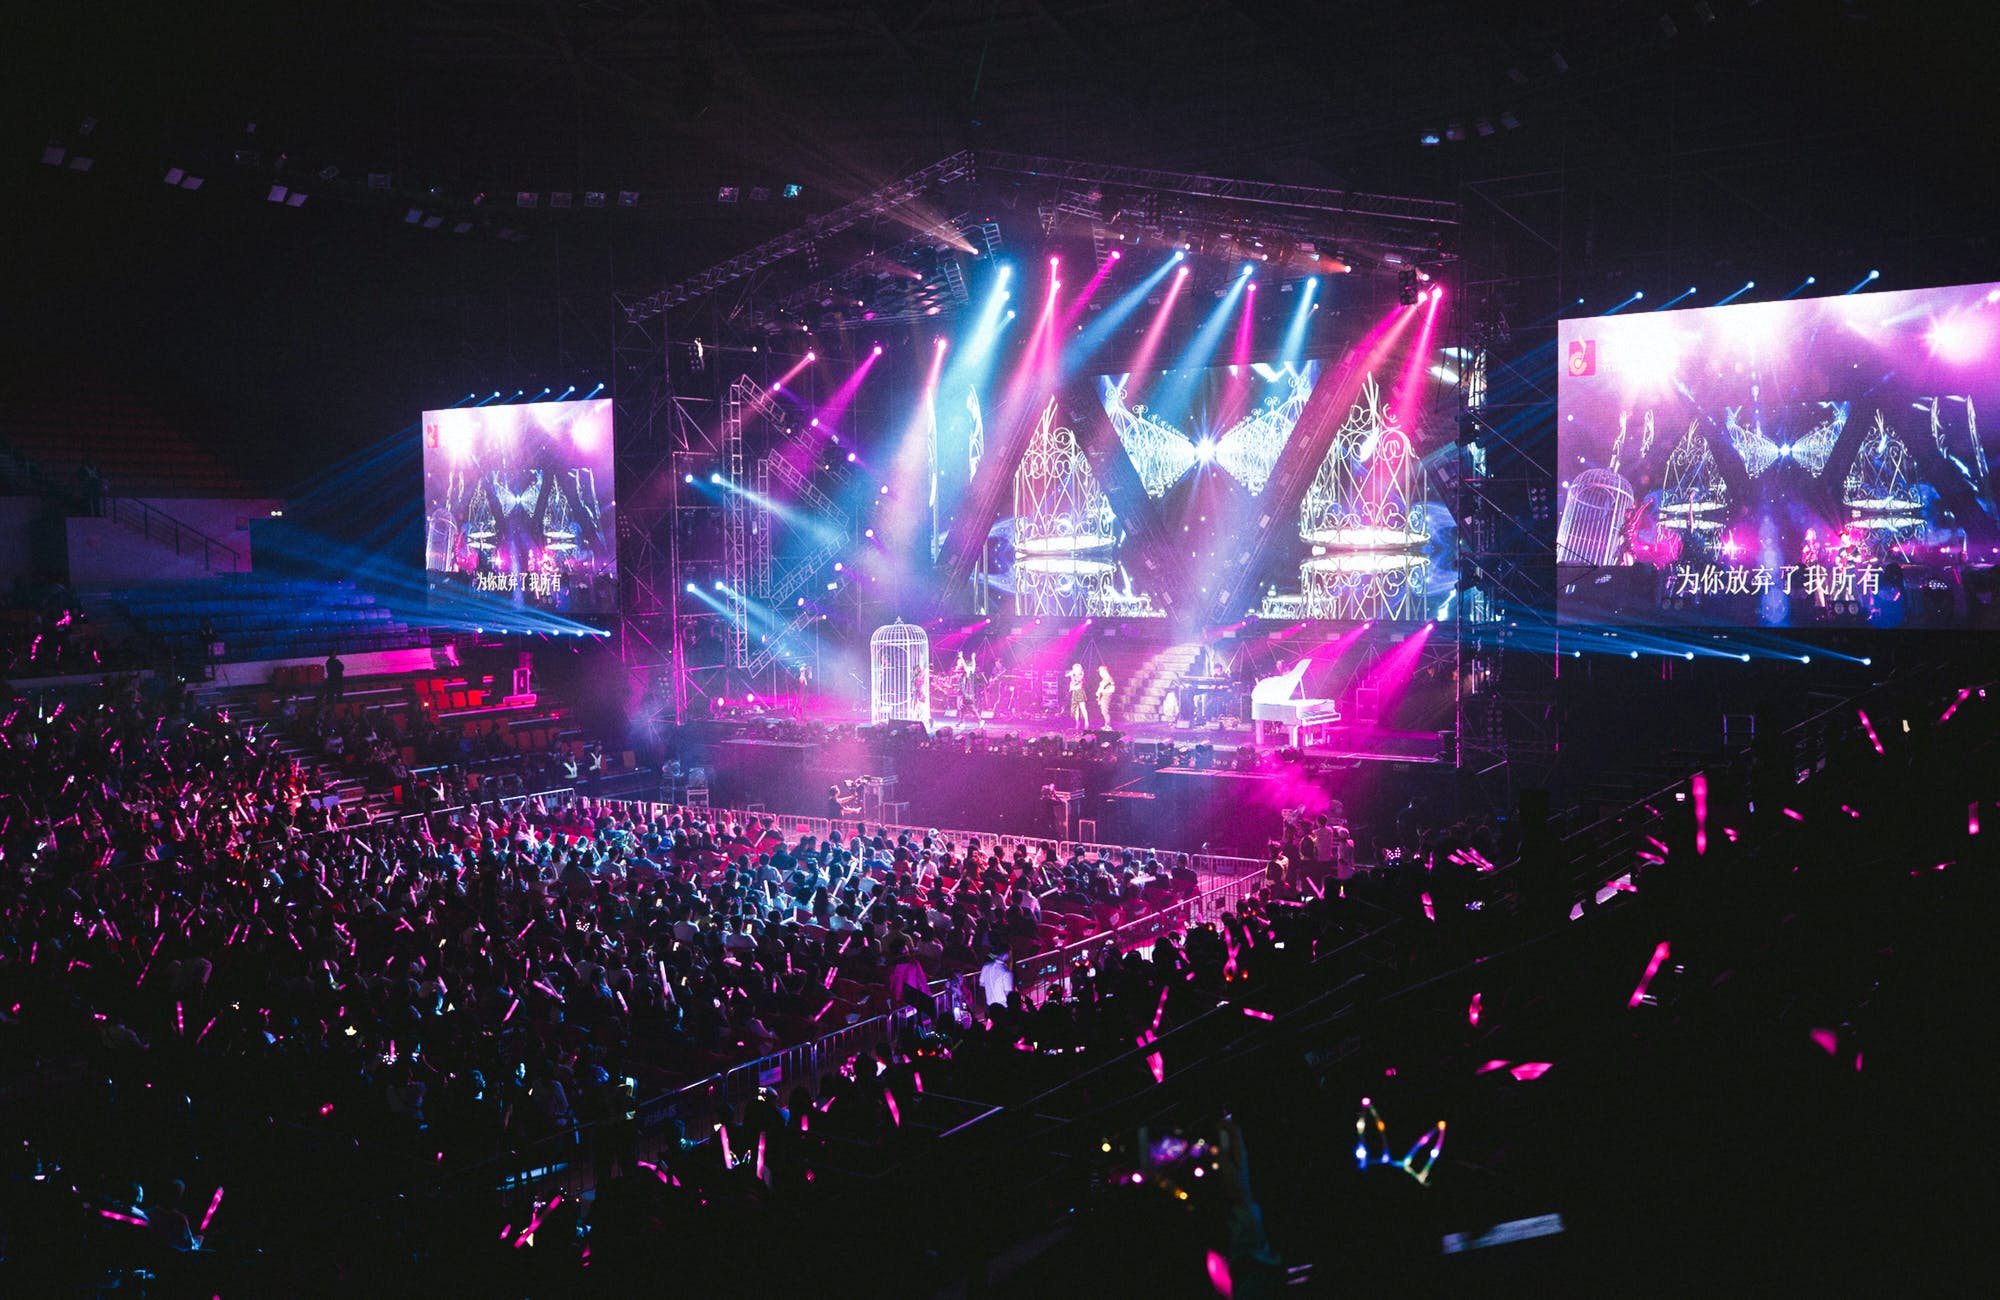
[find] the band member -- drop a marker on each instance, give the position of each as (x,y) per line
(1078,710)
(1106,688)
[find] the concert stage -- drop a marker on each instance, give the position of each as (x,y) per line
(1155,784)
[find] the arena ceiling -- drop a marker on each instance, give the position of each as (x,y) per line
(1607,138)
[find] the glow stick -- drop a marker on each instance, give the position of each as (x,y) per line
(1869,727)
(510,1011)
(1258,1015)
(213,1205)
(1472,1012)
(1700,784)
(1652,969)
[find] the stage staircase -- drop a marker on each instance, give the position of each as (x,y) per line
(1143,696)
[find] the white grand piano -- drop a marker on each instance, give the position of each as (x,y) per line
(1277,699)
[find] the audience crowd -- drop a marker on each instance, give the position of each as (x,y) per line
(358,1031)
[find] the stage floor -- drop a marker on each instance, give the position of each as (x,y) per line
(1341,742)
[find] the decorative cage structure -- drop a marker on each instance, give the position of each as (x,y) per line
(1882,504)
(899,677)
(1249,451)
(1959,442)
(1592,528)
(1694,497)
(1365,521)
(1160,454)
(1063,536)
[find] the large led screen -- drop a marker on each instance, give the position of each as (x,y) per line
(518,506)
(1809,462)
(1209,495)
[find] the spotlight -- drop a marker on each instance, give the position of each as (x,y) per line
(690,588)
(1867,663)
(687,478)
(715,477)
(1744,658)
(719,585)
(878,349)
(812,356)
(870,534)
(1805,659)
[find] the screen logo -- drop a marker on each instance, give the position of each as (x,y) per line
(1582,358)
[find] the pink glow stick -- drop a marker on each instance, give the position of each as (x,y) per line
(123,1218)
(1527,1070)
(823,1010)
(1258,1015)
(832,973)
(1430,910)
(510,1011)
(1472,1012)
(895,1115)
(1700,784)
(728,1160)
(1652,969)
(1869,727)
(214,1204)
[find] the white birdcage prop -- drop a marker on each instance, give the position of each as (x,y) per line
(1592,529)
(899,679)
(1063,526)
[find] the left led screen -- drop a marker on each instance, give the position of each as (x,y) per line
(518,508)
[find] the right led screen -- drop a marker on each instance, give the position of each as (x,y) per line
(1806,462)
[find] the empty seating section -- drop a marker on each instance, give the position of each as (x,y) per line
(140,451)
(256,617)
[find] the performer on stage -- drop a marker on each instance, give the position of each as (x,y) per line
(1106,688)
(1078,710)
(968,687)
